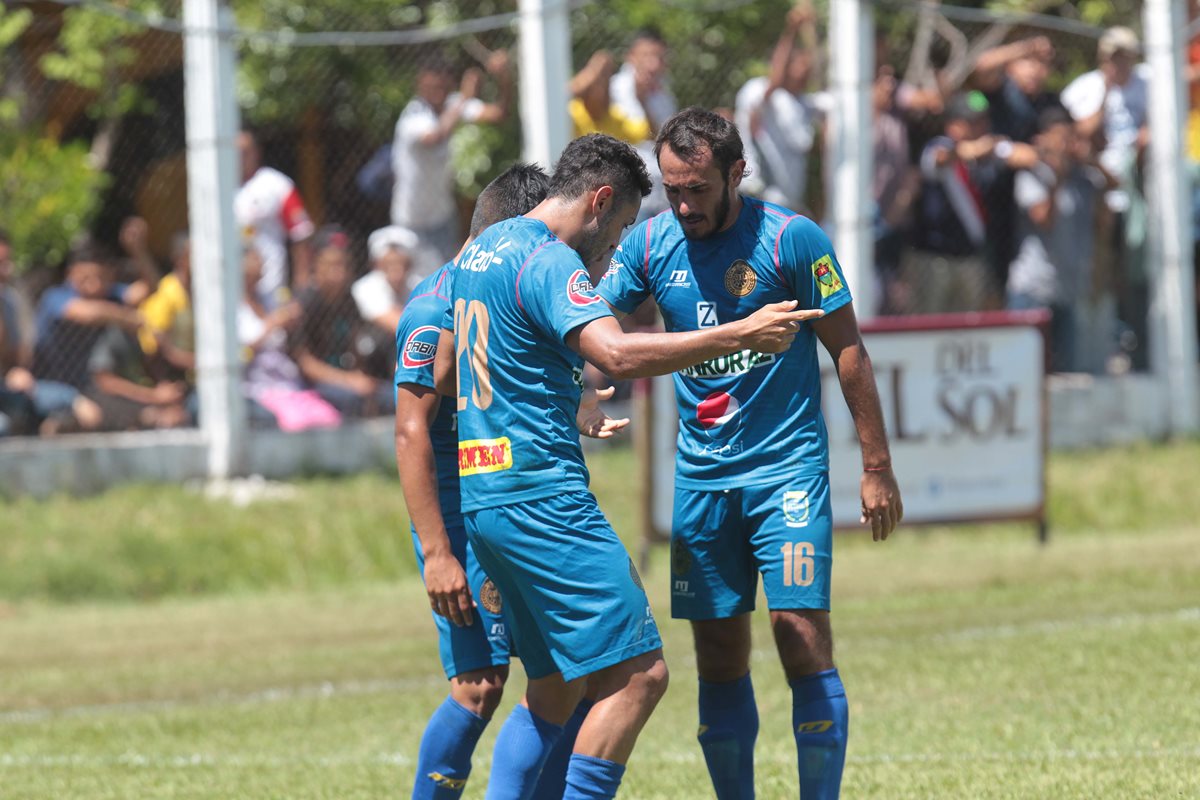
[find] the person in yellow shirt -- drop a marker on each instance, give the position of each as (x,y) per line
(168,332)
(591,106)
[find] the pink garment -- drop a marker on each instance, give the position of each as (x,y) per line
(298,410)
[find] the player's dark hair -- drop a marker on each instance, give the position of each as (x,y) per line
(695,130)
(598,160)
(510,194)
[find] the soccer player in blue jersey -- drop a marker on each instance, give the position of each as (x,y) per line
(751,486)
(525,316)
(473,640)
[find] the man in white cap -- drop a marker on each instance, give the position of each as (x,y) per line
(381,294)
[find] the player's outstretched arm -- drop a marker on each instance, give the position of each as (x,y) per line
(882,506)
(623,355)
(445,581)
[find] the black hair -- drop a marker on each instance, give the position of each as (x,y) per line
(1051,116)
(435,61)
(648,33)
(598,160)
(694,130)
(89,252)
(510,194)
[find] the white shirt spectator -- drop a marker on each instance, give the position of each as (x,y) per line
(778,155)
(423,197)
(374,296)
(271,214)
(622,92)
(1125,110)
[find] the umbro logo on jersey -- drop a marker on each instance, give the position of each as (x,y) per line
(680,279)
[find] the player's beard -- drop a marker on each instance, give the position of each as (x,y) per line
(593,247)
(718,220)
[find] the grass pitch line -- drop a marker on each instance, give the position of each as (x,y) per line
(271,695)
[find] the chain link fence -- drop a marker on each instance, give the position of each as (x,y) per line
(355,185)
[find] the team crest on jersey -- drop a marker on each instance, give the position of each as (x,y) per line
(681,557)
(580,289)
(827,278)
(740,279)
(795,509)
(489,597)
(420,347)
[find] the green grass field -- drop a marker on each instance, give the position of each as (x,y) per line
(156,644)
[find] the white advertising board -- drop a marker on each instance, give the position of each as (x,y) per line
(964,408)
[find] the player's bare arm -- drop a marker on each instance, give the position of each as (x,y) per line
(445,370)
(623,355)
(445,581)
(882,506)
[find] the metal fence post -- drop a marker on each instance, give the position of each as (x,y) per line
(545,31)
(212,125)
(851,149)
(1172,308)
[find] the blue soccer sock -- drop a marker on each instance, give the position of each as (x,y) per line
(522,746)
(590,778)
(553,781)
(821,722)
(444,760)
(728,729)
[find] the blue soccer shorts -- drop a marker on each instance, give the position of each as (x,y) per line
(485,642)
(569,589)
(722,540)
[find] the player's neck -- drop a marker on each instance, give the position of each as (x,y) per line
(562,218)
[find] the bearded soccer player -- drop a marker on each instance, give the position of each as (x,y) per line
(472,639)
(751,485)
(525,316)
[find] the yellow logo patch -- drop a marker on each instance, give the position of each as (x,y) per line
(826,276)
(816,726)
(484,455)
(447,783)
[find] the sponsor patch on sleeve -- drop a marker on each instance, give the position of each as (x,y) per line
(826,276)
(477,456)
(580,289)
(420,348)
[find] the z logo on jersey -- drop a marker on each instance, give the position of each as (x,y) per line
(420,347)
(580,290)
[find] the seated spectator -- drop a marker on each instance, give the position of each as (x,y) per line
(168,334)
(71,318)
(123,388)
(271,383)
(779,121)
(382,292)
(16,405)
(339,354)
(1057,198)
(947,270)
(591,107)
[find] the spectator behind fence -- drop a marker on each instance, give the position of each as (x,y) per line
(339,354)
(895,184)
(1057,198)
(273,219)
(16,351)
(1013,78)
(123,386)
(71,318)
(271,383)
(947,270)
(641,92)
(168,334)
(423,189)
(591,107)
(779,121)
(382,292)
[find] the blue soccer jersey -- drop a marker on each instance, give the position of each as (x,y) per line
(517,292)
(416,347)
(745,418)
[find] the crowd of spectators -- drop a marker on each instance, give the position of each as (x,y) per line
(998,192)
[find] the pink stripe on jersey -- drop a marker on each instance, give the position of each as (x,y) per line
(646,263)
(779,236)
(521,305)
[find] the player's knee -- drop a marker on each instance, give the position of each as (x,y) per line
(652,683)
(480,691)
